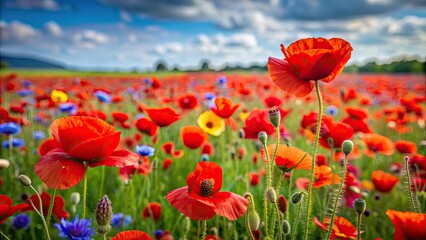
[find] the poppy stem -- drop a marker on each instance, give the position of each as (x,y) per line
(52,202)
(314,152)
(40,213)
(412,197)
(358,227)
(336,200)
(279,221)
(203,229)
(4,235)
(85,190)
(268,185)
(296,222)
(101,188)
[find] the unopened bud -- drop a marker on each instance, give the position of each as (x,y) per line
(296,198)
(282,203)
(274,116)
(103,212)
(254,220)
(24,180)
(271,196)
(286,227)
(347,146)
(75,198)
(360,205)
(263,137)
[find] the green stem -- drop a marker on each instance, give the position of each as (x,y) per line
(4,235)
(410,193)
(204,229)
(336,201)
(279,221)
(277,141)
(85,190)
(296,222)
(52,202)
(311,180)
(268,185)
(287,213)
(358,228)
(40,213)
(101,188)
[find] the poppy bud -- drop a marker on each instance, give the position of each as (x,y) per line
(330,142)
(103,215)
(296,198)
(274,116)
(271,196)
(360,205)
(263,137)
(24,180)
(286,227)
(254,220)
(282,203)
(347,146)
(75,198)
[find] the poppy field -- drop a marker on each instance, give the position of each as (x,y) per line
(302,151)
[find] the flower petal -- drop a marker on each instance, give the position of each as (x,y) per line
(230,205)
(95,148)
(119,158)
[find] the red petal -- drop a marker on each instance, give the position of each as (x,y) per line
(207,170)
(58,170)
(230,205)
(59,208)
(132,235)
(119,158)
(95,148)
(283,77)
(189,206)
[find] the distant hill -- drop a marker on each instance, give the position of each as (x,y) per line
(28,62)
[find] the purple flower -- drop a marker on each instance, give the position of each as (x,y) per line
(145,150)
(76,229)
(103,96)
(10,128)
(16,143)
(21,221)
(120,220)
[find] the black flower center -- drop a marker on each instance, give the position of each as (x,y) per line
(206,187)
(209,124)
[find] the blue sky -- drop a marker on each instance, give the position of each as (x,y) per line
(123,34)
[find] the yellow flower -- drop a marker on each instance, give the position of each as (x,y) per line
(367,185)
(211,123)
(243,115)
(58,96)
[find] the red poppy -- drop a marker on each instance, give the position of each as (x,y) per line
(377,144)
(201,199)
(47,145)
(162,117)
(169,148)
(272,101)
(408,225)
(321,160)
(338,132)
(254,178)
(120,116)
(257,121)
(132,235)
(166,163)
(357,125)
(142,167)
(58,205)
(188,101)
(351,188)
(282,203)
(288,158)
(405,147)
(146,126)
(6,208)
(342,228)
(224,107)
(383,182)
(306,60)
(152,210)
(63,167)
(208,149)
(418,160)
(193,137)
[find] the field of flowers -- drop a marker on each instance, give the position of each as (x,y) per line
(214,156)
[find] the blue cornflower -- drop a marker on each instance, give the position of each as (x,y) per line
(120,220)
(16,142)
(25,92)
(222,80)
(70,108)
(39,135)
(209,96)
(158,233)
(147,81)
(26,83)
(103,96)
(205,157)
(21,221)
(10,128)
(332,110)
(145,150)
(76,229)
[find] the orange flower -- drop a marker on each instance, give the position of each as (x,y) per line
(162,117)
(224,107)
(323,177)
(384,182)
(408,225)
(342,228)
(193,137)
(377,143)
(405,147)
(132,235)
(289,158)
(308,60)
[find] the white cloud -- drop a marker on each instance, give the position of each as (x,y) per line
(16,31)
(173,47)
(49,5)
(53,28)
(125,16)
(90,39)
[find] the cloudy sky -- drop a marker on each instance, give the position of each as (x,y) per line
(136,33)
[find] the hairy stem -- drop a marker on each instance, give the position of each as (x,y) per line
(85,191)
(411,196)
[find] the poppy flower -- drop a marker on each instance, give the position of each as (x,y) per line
(6,208)
(58,205)
(193,137)
(188,102)
(224,107)
(64,167)
(146,126)
(383,182)
(169,148)
(272,101)
(351,188)
(377,144)
(323,176)
(211,123)
(59,96)
(208,149)
(166,163)
(336,131)
(120,116)
(405,147)
(152,210)
(408,225)
(308,60)
(142,167)
(254,178)
(162,117)
(201,199)
(47,145)
(289,158)
(418,160)
(257,121)
(131,235)
(342,228)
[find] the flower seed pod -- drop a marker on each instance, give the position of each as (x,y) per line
(296,198)
(274,116)
(254,220)
(347,146)
(286,227)
(75,198)
(271,196)
(360,205)
(263,137)
(103,212)
(24,180)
